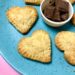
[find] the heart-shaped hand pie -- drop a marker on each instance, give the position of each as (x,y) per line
(65,41)
(36,2)
(72,1)
(22,18)
(37,47)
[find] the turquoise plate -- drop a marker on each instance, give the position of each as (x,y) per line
(9,38)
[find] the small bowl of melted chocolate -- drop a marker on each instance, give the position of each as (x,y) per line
(56,12)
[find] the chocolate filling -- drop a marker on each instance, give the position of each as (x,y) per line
(57,10)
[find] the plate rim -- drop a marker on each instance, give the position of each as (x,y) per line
(11,65)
